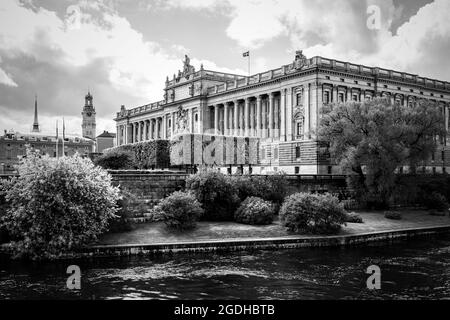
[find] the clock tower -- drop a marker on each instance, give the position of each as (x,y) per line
(88,125)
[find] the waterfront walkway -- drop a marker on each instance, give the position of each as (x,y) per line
(374,223)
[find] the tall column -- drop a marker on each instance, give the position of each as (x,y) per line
(173,124)
(283,115)
(164,127)
(159,127)
(150,130)
(264,132)
(307,110)
(133,136)
(216,119)
(276,117)
(258,116)
(271,98)
(335,94)
(246,116)
(225,118)
(446,113)
(236,118)
(289,111)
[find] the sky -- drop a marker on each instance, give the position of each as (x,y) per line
(122,50)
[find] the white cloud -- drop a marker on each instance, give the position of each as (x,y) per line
(337,29)
(5,79)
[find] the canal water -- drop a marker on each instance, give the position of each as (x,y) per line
(418,269)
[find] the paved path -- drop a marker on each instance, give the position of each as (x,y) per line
(152,233)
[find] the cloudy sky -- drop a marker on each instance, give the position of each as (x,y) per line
(124,49)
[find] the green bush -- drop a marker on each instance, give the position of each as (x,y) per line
(57,205)
(115,160)
(393,215)
(353,217)
(216,193)
(435,201)
(312,213)
(4,235)
(255,211)
(180,211)
(270,188)
(146,154)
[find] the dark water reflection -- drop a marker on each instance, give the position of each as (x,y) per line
(414,269)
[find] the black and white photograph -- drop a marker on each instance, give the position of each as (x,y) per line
(224,155)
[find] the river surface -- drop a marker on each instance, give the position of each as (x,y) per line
(417,269)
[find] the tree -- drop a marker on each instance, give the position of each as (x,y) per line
(371,139)
(55,206)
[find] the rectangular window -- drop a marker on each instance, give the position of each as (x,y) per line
(341,97)
(330,168)
(297,152)
(326,97)
(355,97)
(299,99)
(297,170)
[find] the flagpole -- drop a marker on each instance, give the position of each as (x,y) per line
(57,138)
(63,137)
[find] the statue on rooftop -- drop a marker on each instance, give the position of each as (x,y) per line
(187,68)
(300,59)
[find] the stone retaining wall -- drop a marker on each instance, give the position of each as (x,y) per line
(149,187)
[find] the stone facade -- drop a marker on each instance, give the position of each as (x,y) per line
(149,188)
(281,107)
(105,140)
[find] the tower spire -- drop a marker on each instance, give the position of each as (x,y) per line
(36,122)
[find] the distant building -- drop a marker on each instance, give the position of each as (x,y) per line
(88,124)
(105,140)
(13,145)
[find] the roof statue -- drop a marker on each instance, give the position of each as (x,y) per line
(187,68)
(300,59)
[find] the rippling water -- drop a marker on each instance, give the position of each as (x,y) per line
(414,269)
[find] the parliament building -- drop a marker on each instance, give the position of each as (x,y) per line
(280,107)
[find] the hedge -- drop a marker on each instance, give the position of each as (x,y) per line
(146,154)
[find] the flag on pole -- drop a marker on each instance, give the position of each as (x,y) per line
(246,54)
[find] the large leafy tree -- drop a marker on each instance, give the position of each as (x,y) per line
(371,139)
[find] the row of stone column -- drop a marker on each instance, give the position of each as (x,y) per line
(260,116)
(138,131)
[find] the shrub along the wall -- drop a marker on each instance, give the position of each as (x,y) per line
(180,211)
(216,193)
(315,213)
(270,188)
(116,160)
(255,211)
(146,154)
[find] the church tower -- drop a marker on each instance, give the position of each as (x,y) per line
(36,122)
(88,124)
